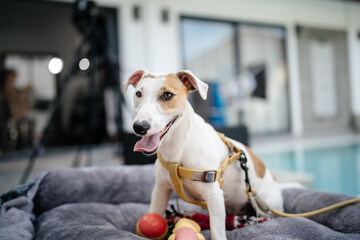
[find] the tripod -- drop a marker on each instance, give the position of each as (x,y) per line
(94,38)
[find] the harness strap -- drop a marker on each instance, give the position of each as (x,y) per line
(234,154)
(191,173)
(177,172)
(178,184)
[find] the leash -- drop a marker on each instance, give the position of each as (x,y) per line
(317,212)
(263,209)
(178,172)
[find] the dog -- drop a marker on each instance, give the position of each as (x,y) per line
(167,123)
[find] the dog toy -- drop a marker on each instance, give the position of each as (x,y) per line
(152,226)
(203,220)
(186,229)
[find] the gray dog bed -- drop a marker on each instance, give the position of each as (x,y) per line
(105,203)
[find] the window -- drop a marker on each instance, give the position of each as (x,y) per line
(245,67)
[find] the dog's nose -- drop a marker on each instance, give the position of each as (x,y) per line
(141,128)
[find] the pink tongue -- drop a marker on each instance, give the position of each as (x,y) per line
(147,143)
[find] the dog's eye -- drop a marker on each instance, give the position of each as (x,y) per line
(138,94)
(167,96)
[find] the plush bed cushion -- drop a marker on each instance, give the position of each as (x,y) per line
(108,221)
(105,203)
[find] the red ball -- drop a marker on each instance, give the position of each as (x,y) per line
(152,226)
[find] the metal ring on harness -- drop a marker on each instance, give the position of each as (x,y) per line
(250,192)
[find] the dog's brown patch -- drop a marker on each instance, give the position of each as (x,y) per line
(174,85)
(259,166)
(149,75)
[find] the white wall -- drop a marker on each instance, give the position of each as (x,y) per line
(353,30)
(148,43)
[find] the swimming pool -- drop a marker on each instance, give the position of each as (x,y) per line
(335,166)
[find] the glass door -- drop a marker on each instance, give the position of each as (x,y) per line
(245,67)
(263,78)
(209,52)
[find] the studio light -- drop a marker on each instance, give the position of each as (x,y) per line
(55,65)
(84,64)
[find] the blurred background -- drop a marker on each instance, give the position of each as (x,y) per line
(284,78)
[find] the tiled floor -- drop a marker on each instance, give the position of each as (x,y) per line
(11,168)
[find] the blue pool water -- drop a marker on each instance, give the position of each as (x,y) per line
(335,169)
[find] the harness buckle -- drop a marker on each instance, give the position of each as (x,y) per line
(209,176)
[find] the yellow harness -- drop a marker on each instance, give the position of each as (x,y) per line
(178,172)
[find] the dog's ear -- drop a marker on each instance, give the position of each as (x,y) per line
(193,83)
(134,79)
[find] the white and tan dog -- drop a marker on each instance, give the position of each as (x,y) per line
(167,123)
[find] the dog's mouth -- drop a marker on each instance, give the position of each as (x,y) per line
(150,144)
